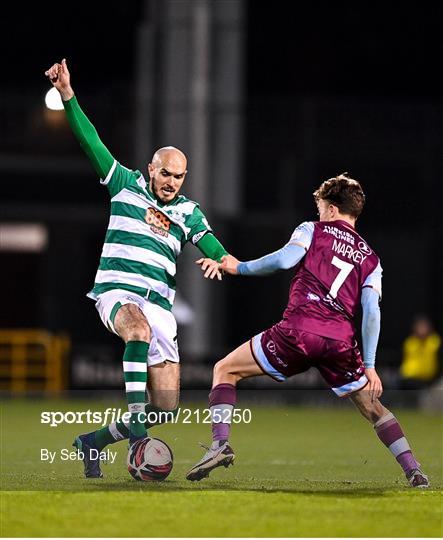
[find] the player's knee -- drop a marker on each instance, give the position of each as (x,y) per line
(225,371)
(222,367)
(138,329)
(131,324)
(138,332)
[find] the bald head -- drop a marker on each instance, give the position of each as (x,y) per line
(170,158)
(167,172)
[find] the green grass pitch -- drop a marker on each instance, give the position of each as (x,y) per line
(299,472)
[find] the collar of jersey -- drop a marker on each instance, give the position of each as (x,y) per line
(343,222)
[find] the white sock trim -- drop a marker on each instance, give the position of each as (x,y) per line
(221,413)
(135,386)
(135,366)
(399,446)
(383,419)
(115,432)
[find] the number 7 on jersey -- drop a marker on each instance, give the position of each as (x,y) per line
(345,270)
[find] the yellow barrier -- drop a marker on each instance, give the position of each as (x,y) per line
(33,360)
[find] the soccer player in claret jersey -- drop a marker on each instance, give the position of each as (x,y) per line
(335,271)
(135,283)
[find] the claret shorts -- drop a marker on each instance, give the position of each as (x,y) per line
(281,354)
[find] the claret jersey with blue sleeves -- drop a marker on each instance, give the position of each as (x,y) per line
(325,292)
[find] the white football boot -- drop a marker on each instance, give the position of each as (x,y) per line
(214,457)
(418,479)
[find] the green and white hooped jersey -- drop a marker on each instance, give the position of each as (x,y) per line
(144,238)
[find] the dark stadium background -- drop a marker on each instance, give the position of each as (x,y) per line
(318,90)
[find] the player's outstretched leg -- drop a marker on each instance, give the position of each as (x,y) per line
(391,435)
(164,391)
(227,372)
(91,444)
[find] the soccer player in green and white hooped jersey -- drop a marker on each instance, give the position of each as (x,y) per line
(134,287)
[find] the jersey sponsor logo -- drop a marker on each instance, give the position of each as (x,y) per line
(364,248)
(160,224)
(349,252)
(339,234)
(328,300)
(273,350)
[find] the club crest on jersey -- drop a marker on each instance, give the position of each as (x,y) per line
(159,223)
(177,216)
(271,347)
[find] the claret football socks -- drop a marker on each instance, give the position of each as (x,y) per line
(391,435)
(221,403)
(222,399)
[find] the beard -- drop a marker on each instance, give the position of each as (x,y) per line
(156,190)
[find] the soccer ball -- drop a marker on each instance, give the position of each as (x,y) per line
(150,460)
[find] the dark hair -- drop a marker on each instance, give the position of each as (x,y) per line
(343,192)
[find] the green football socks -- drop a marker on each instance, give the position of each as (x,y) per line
(135,366)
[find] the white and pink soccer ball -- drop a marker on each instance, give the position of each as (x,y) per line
(150,460)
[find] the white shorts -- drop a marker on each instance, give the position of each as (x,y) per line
(163,325)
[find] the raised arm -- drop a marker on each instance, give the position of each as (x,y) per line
(100,157)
